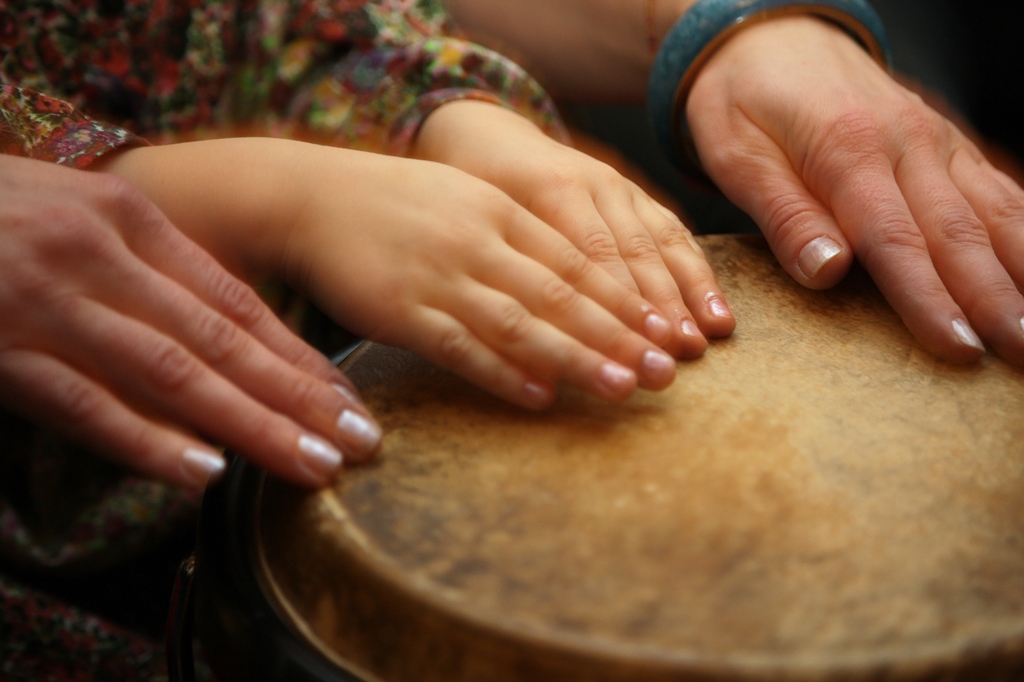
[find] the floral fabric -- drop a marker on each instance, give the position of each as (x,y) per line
(36,125)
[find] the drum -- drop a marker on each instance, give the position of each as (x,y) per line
(815,498)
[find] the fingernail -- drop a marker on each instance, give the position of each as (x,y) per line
(537,395)
(616,377)
(658,365)
(816,253)
(202,466)
(690,329)
(717,306)
(343,390)
(1022,325)
(656,326)
(360,430)
(322,458)
(966,335)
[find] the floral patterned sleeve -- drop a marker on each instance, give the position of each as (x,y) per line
(366,73)
(356,73)
(40,127)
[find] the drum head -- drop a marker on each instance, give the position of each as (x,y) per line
(814,498)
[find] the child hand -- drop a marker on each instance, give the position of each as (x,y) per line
(427,257)
(641,243)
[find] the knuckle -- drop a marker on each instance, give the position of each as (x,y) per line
(921,126)
(856,129)
(785,213)
(600,246)
(600,174)
(558,297)
(676,235)
(303,395)
(220,338)
(514,324)
(32,284)
(894,233)
(81,404)
(237,300)
(79,236)
(171,368)
(573,265)
(848,141)
(640,248)
(1006,210)
(961,229)
(562,178)
(915,124)
(454,348)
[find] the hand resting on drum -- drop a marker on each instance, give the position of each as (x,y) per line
(643,244)
(834,160)
(121,332)
(837,160)
(416,254)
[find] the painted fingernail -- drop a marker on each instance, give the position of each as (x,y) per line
(344,390)
(966,335)
(815,254)
(322,458)
(656,326)
(690,329)
(359,430)
(717,306)
(658,365)
(616,378)
(202,466)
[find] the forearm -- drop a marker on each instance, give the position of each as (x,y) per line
(595,49)
(234,197)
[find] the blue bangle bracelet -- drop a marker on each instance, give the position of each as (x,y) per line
(703,29)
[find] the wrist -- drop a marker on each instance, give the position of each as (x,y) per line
(234,197)
(710,25)
(462,133)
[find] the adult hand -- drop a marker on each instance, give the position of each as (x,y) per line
(835,160)
(123,334)
(611,220)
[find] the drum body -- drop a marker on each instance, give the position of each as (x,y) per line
(816,498)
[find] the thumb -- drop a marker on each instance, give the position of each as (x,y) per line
(801,231)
